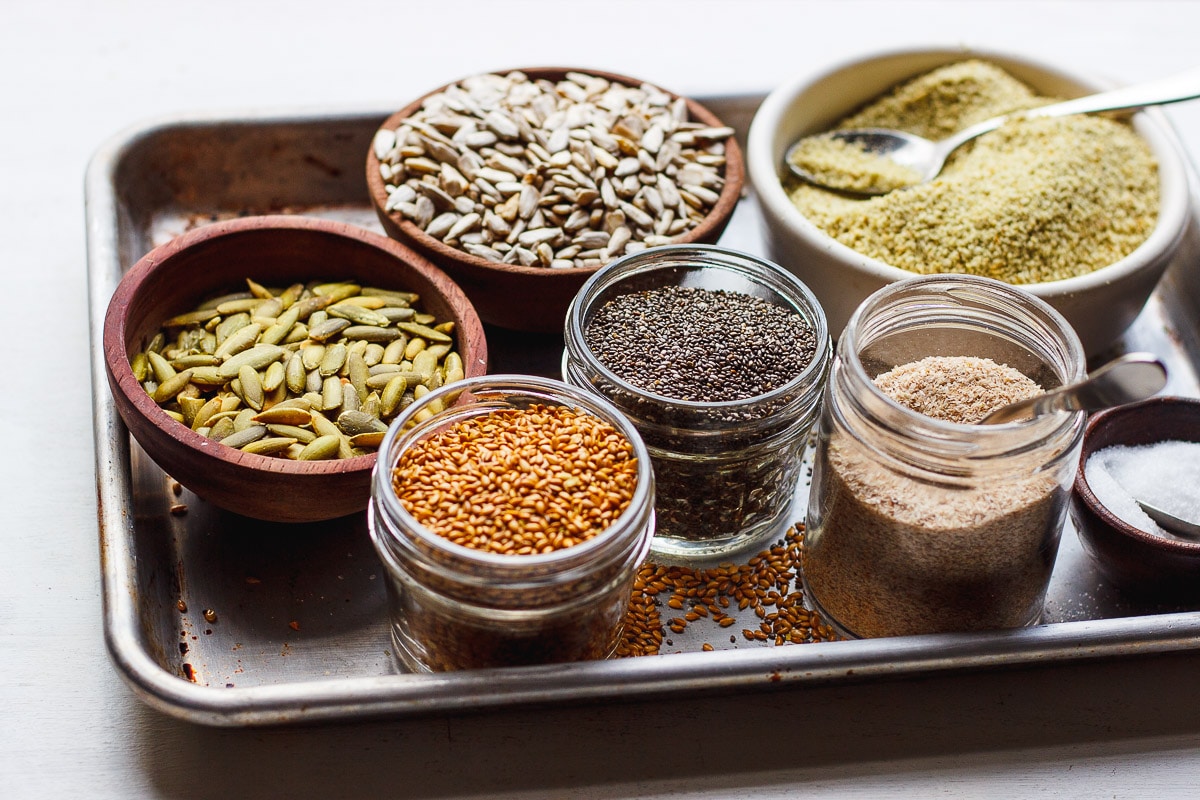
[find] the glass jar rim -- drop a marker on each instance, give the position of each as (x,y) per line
(671,256)
(985,440)
(535,387)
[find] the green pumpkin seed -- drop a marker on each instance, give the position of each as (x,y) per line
(400,298)
(350,399)
(258,290)
(424,331)
(140,366)
(269,445)
(241,340)
(282,327)
(172,386)
(295,374)
(370,441)
(189,407)
(372,405)
(191,318)
(358,372)
(331,393)
(309,305)
(321,448)
(353,422)
(221,429)
(357,314)
(291,294)
(272,379)
(397,313)
(239,439)
(302,435)
(394,352)
(332,361)
(372,354)
(207,377)
(230,325)
(243,419)
(258,357)
(159,366)
(195,360)
(251,385)
(205,413)
(372,333)
(393,391)
(326,330)
(237,305)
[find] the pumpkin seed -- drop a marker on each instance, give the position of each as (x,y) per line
(271,370)
(239,439)
(302,435)
(320,449)
(269,445)
(172,386)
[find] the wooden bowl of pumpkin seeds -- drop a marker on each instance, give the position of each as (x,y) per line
(521,184)
(258,361)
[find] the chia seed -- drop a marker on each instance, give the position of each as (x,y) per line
(723,472)
(700,345)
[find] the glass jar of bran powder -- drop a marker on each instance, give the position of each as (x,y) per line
(453,606)
(918,524)
(726,469)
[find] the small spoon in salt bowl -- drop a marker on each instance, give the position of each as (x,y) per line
(1169,522)
(885,160)
(1132,377)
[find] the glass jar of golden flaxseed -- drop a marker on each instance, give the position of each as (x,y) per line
(511,513)
(920,518)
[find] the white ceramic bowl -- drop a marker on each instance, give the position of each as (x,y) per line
(1099,305)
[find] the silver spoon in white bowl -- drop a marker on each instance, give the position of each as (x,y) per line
(915,159)
(1127,379)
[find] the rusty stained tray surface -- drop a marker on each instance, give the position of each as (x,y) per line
(225,620)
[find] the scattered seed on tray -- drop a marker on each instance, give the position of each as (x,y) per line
(537,173)
(310,371)
(765,586)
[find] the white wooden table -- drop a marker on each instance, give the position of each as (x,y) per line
(76,72)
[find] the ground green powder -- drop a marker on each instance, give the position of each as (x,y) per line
(1036,200)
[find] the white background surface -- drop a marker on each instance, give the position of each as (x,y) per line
(76,73)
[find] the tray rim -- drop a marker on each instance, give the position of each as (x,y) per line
(397,694)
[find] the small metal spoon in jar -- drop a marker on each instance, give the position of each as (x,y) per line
(1132,377)
(915,159)
(1169,522)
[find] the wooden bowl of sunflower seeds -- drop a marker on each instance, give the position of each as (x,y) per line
(258,361)
(521,184)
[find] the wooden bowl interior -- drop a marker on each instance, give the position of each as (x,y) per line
(536,298)
(274,251)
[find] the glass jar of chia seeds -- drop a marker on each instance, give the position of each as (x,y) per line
(719,358)
(921,519)
(511,514)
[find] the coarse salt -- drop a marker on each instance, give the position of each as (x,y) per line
(1164,474)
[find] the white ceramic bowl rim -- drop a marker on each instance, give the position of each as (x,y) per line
(767,142)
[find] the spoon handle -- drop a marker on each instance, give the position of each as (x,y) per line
(1174,89)
(1132,377)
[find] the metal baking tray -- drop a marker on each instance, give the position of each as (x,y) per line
(224,620)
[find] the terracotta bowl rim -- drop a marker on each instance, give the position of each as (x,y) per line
(1117,417)
(731,191)
(116,355)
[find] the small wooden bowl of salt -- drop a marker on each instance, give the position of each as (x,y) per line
(1148,452)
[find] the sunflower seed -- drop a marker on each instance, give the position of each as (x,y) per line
(515,157)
